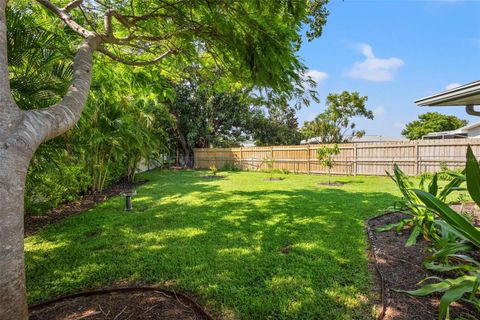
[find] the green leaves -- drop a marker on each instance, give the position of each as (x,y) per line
(335,125)
(431,122)
(433,186)
(458,236)
(455,220)
(472,171)
(454,290)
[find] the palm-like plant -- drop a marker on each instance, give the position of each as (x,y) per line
(39,65)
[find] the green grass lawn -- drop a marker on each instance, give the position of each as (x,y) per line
(219,241)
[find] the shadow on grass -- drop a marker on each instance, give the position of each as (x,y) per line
(221,243)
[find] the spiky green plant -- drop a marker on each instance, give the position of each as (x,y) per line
(459,237)
(420,217)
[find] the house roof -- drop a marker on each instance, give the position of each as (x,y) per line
(468,94)
(365,138)
(457,132)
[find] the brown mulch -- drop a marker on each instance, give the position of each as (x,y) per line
(402,268)
(274,179)
(120,306)
(212,177)
(33,223)
(332,184)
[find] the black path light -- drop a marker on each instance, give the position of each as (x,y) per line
(128,199)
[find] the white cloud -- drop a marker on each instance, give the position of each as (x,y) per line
(316,75)
(379,111)
(373,68)
(452,86)
(399,125)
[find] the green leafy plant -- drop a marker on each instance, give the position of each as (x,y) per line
(227,166)
(459,237)
(213,170)
(420,217)
(325,157)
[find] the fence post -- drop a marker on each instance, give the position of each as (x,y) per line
(271,157)
(416,157)
(354,159)
(308,158)
(241,159)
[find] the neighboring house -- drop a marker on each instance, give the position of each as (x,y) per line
(467,95)
(365,138)
(248,143)
(468,131)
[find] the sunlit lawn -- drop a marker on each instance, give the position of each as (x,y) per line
(220,241)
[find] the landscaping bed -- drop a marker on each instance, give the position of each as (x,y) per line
(35,222)
(402,268)
(121,303)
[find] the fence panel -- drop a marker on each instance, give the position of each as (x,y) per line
(373,158)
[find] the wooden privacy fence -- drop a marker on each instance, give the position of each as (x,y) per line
(372,158)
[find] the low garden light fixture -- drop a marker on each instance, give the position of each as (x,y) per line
(128,199)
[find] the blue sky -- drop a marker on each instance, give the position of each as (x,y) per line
(395,52)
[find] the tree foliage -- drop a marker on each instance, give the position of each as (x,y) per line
(278,126)
(335,125)
(206,114)
(431,122)
(135,117)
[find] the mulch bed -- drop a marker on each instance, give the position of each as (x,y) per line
(402,268)
(136,304)
(33,222)
(274,179)
(332,184)
(212,177)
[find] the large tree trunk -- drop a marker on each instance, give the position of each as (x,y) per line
(21,132)
(13,168)
(186,149)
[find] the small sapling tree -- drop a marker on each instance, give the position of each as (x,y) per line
(213,170)
(325,157)
(269,162)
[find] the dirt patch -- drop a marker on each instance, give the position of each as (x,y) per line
(34,223)
(121,305)
(332,184)
(212,177)
(274,179)
(402,268)
(285,249)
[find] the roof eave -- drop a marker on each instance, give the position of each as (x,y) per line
(468,94)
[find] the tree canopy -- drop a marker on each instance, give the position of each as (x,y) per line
(431,122)
(335,125)
(254,43)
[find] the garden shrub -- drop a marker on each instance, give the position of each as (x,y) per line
(227,166)
(48,186)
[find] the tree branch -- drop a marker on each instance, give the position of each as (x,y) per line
(134,63)
(65,16)
(9,112)
(72,5)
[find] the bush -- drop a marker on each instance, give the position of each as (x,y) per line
(227,166)
(444,174)
(46,189)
